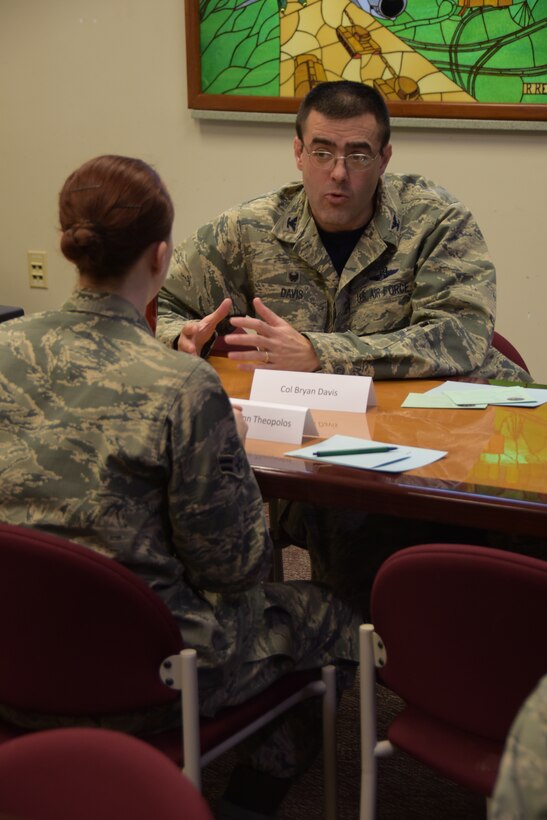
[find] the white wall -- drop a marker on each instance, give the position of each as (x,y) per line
(83,77)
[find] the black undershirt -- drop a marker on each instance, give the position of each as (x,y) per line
(339,245)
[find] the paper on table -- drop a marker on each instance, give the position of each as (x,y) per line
(493,394)
(414,457)
(425,400)
(505,395)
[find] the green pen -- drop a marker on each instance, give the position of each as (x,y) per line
(356,452)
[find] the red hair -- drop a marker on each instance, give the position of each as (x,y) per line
(110,210)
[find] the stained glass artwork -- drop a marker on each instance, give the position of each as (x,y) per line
(436,51)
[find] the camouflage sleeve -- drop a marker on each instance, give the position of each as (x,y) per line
(451,318)
(205,269)
(215,507)
(521,786)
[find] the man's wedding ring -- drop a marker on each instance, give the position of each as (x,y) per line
(266,354)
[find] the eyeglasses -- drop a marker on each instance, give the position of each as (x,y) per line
(327,160)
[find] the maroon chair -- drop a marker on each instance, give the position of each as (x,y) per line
(460,634)
(151,314)
(93,774)
(510,351)
(83,637)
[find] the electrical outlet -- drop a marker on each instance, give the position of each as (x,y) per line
(37,269)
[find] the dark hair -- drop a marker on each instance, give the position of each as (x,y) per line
(343,99)
(111,209)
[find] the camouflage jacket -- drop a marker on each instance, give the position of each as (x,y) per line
(415,300)
(111,440)
(521,787)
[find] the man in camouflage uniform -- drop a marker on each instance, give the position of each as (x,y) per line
(112,440)
(521,787)
(352,271)
(356,271)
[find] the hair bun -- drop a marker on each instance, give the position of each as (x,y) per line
(84,234)
(82,240)
(111,210)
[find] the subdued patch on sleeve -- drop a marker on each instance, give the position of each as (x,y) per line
(232,464)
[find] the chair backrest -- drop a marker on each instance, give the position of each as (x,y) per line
(79,633)
(151,314)
(465,629)
(92,773)
(510,351)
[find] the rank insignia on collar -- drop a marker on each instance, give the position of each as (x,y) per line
(291,223)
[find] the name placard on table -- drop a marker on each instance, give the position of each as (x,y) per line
(318,391)
(276,422)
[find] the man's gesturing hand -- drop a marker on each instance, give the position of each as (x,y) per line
(195,334)
(275,346)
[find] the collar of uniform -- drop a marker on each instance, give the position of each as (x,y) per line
(296,218)
(104,304)
(386,218)
(295,215)
(382,231)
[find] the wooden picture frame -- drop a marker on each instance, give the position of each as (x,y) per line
(446,108)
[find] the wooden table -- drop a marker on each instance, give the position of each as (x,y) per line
(494,476)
